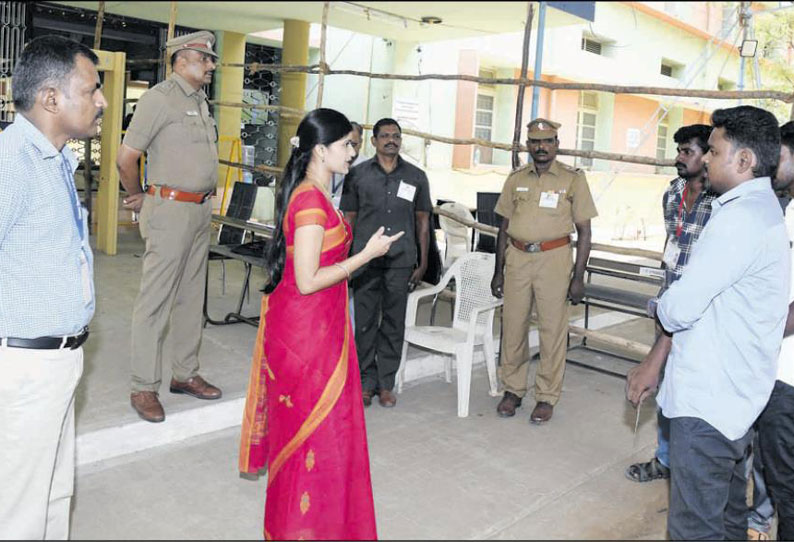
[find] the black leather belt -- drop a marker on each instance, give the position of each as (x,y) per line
(48,343)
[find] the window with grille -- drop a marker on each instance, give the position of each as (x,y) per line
(586,121)
(591,46)
(666,69)
(483,128)
(661,145)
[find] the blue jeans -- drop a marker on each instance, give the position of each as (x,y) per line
(707,482)
(662,438)
(761,512)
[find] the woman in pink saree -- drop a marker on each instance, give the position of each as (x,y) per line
(304,417)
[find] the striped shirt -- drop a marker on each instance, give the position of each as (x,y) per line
(692,222)
(43,288)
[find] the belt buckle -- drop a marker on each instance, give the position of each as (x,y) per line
(533,247)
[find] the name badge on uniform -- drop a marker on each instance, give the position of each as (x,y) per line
(192,113)
(671,252)
(406,191)
(549,200)
(522,189)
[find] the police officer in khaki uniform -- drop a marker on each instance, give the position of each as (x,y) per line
(540,204)
(172,123)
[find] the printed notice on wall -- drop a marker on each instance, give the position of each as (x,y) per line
(406,112)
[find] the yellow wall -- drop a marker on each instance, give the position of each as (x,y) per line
(293,85)
(229,88)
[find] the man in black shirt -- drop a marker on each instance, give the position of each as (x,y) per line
(386,191)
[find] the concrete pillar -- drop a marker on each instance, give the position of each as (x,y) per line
(293,85)
(228,88)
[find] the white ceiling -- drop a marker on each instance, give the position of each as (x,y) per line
(393,20)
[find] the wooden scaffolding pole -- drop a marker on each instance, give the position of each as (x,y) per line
(169,37)
(522,86)
(100,19)
(323,65)
(88,173)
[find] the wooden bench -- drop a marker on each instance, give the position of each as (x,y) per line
(624,298)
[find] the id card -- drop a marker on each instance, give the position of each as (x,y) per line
(406,191)
(549,200)
(671,252)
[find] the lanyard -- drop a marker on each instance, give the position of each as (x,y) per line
(68,177)
(679,221)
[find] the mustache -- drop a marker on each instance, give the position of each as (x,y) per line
(100,114)
(680,165)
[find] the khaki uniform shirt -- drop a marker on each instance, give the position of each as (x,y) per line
(173,125)
(545,207)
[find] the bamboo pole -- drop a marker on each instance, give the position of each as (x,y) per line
(627,251)
(170,36)
(323,65)
(492,230)
(614,89)
(100,19)
(299,113)
(521,86)
(88,173)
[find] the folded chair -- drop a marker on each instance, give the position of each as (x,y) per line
(472,324)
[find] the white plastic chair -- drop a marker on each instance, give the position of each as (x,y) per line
(457,237)
(472,324)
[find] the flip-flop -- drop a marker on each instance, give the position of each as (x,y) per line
(646,472)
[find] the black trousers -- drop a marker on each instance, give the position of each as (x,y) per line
(380,295)
(707,482)
(776,438)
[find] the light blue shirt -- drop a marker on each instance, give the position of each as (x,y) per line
(43,289)
(727,313)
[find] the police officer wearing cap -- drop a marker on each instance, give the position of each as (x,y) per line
(540,204)
(173,125)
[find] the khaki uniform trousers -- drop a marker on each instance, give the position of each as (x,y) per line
(541,278)
(177,239)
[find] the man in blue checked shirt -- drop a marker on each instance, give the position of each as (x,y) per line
(686,206)
(726,315)
(46,284)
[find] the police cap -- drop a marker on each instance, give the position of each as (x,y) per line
(201,41)
(542,129)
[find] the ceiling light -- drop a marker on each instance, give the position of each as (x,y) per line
(371,13)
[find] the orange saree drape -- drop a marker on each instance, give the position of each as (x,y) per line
(304,417)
